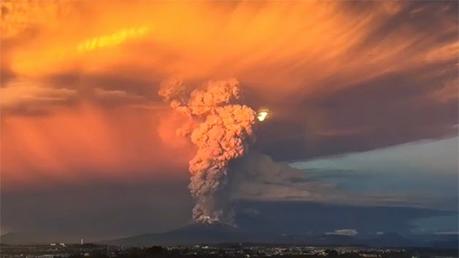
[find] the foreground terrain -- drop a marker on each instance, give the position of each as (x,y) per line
(202,251)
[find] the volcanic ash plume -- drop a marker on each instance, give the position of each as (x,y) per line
(222,132)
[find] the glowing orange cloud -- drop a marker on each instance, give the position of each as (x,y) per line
(254,38)
(88,143)
(113,39)
(79,78)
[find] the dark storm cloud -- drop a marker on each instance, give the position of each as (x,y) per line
(436,19)
(391,109)
(395,107)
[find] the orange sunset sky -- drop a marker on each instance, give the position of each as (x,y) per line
(79,80)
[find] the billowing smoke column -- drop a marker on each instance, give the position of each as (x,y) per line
(222,132)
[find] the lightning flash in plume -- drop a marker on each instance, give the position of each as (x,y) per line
(262,115)
(222,132)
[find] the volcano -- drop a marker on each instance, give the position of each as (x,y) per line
(301,223)
(195,233)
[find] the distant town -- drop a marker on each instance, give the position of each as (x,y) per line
(62,250)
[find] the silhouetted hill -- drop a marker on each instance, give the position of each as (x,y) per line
(190,234)
(224,234)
